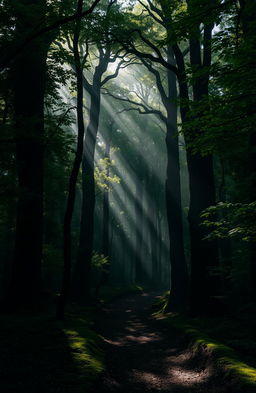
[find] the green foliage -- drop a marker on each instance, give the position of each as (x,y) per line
(99,261)
(103,179)
(238,220)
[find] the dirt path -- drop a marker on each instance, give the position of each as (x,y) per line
(143,356)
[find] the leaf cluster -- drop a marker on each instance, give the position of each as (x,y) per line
(238,220)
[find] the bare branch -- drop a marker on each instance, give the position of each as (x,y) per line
(118,56)
(158,81)
(146,112)
(129,47)
(121,65)
(141,108)
(64,115)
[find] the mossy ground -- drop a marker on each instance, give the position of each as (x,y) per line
(40,354)
(230,340)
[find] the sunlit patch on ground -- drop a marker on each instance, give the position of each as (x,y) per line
(143,356)
(149,379)
(189,377)
(143,339)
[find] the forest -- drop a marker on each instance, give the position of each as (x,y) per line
(127,196)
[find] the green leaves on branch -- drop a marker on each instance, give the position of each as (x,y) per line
(99,261)
(103,179)
(237,220)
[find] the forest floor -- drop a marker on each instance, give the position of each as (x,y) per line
(143,354)
(137,351)
(39,354)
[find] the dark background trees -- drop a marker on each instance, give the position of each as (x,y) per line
(127,161)
(147,90)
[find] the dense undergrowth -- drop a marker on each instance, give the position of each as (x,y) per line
(229,339)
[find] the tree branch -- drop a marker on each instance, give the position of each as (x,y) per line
(156,10)
(152,14)
(6,60)
(139,105)
(158,81)
(130,48)
(121,65)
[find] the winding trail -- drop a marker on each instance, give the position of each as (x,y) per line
(143,355)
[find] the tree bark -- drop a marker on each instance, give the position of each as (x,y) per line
(67,257)
(83,265)
(105,231)
(139,272)
(179,274)
(29,74)
(204,254)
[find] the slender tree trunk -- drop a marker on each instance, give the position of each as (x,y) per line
(139,272)
(179,274)
(105,224)
(154,241)
(106,206)
(83,265)
(105,232)
(66,280)
(160,249)
(29,73)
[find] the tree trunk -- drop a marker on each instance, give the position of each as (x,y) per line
(179,274)
(66,280)
(204,254)
(104,275)
(139,272)
(154,241)
(105,232)
(83,265)
(29,73)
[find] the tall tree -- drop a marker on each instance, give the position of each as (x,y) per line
(29,77)
(106,56)
(228,131)
(143,47)
(65,289)
(201,179)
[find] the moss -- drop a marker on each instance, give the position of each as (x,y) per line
(224,356)
(40,354)
(85,351)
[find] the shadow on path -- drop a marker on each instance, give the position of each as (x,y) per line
(142,355)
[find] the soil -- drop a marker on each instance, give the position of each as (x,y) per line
(144,355)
